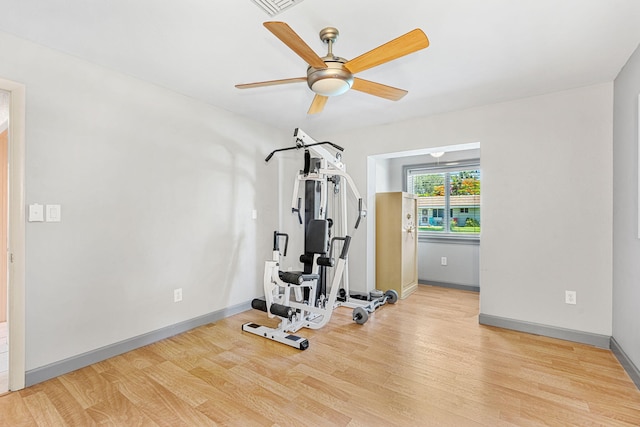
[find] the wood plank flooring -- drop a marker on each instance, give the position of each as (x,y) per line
(423,361)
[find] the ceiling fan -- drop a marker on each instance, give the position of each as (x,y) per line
(332,75)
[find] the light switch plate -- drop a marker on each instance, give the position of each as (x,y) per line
(53,213)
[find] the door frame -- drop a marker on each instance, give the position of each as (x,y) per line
(16,233)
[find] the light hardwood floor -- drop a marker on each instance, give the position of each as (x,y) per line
(423,361)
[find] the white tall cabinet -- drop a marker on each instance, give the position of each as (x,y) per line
(397,242)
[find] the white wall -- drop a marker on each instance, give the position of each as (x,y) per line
(463,263)
(626,245)
(543,159)
(157,192)
(385,181)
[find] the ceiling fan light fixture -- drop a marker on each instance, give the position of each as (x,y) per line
(331,81)
(331,86)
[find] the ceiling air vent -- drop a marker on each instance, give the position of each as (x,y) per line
(273,7)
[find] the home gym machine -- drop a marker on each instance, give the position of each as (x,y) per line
(303,299)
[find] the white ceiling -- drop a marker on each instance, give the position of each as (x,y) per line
(482,51)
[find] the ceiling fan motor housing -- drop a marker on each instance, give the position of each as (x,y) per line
(331,81)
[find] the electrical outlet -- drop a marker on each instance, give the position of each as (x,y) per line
(443,260)
(177,295)
(570,297)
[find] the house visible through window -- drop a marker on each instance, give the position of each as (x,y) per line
(448,198)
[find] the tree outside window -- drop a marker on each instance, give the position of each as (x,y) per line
(448,201)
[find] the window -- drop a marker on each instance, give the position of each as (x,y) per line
(448,198)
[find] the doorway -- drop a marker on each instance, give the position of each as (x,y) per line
(4,188)
(12,235)
(442,241)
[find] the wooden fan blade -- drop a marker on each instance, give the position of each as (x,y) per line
(318,104)
(271,83)
(378,89)
(396,48)
(289,37)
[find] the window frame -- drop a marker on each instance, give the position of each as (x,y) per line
(434,168)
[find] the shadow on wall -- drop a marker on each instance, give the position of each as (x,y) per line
(157,214)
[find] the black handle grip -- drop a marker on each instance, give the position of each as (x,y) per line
(307,162)
(300,144)
(359,213)
(294,210)
(345,247)
(276,241)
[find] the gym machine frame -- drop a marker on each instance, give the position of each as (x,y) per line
(310,306)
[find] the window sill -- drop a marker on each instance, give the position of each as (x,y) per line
(449,238)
